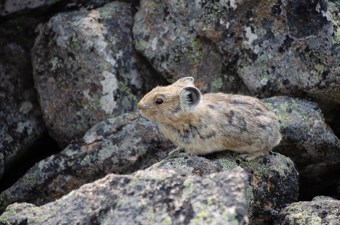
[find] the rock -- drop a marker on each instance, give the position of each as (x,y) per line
(268,44)
(86,69)
(187,164)
(153,197)
(289,52)
(12,6)
(20,115)
(314,212)
(308,141)
(21,126)
(337,188)
(321,198)
(167,34)
(117,145)
(15,7)
(273,180)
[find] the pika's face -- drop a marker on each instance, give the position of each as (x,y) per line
(170,103)
(162,105)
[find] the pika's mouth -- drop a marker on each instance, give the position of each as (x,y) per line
(141,106)
(141,110)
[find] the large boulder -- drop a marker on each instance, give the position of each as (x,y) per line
(289,51)
(117,145)
(168,35)
(273,179)
(308,141)
(271,45)
(86,69)
(153,197)
(20,115)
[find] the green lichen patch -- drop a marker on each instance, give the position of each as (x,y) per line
(140,45)
(216,84)
(195,52)
(314,213)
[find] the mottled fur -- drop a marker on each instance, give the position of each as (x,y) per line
(203,124)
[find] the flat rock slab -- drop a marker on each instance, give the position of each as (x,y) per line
(152,197)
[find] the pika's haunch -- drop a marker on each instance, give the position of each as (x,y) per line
(203,124)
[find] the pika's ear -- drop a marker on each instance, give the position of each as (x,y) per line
(190,97)
(185,81)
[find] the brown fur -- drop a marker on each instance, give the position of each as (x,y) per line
(215,122)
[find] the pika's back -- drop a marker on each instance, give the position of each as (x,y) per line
(229,103)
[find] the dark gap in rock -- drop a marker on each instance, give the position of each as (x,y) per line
(310,190)
(332,118)
(327,185)
(41,149)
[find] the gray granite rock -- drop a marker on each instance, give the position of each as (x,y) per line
(316,212)
(273,180)
(168,35)
(21,122)
(307,140)
(86,69)
(118,145)
(152,197)
(290,52)
(13,8)
(272,46)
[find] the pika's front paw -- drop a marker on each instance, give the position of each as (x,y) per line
(175,152)
(251,156)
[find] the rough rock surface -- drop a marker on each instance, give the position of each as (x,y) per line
(273,180)
(88,65)
(167,34)
(307,140)
(86,69)
(314,212)
(153,197)
(290,52)
(21,121)
(10,7)
(266,43)
(117,145)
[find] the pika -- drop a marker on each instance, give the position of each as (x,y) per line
(203,124)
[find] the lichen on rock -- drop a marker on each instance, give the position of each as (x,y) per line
(273,179)
(153,197)
(86,69)
(117,145)
(314,212)
(307,140)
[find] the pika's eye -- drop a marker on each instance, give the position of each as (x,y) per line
(159,101)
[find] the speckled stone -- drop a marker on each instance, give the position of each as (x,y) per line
(173,36)
(118,145)
(85,69)
(312,213)
(152,197)
(21,122)
(271,45)
(273,179)
(307,140)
